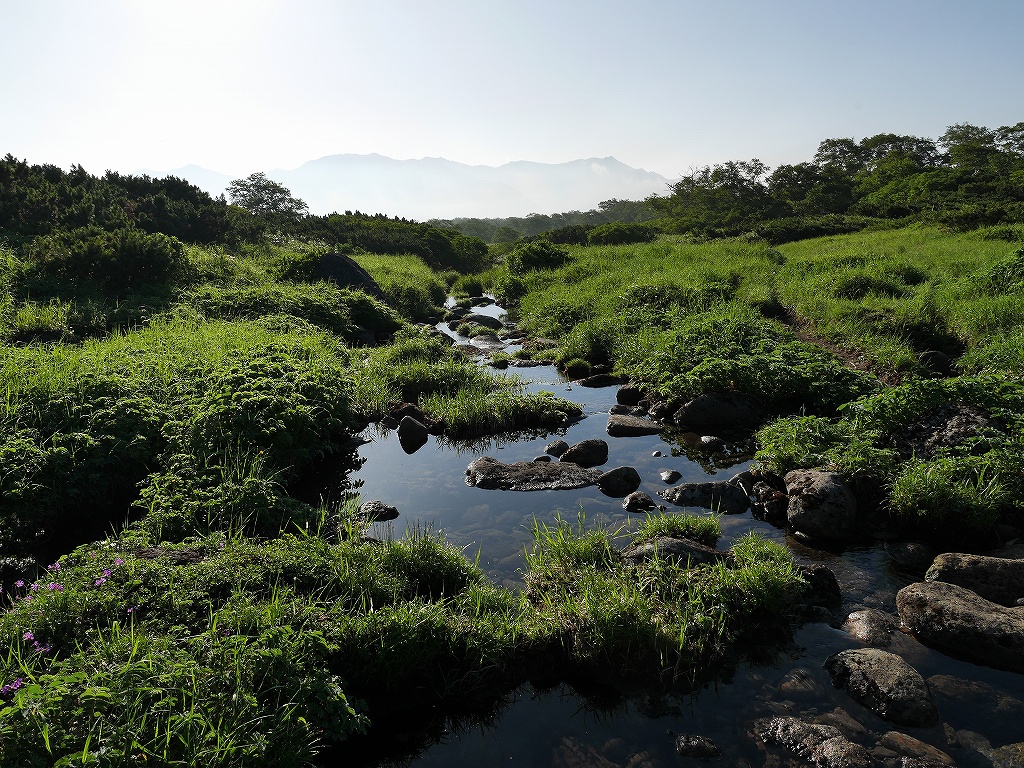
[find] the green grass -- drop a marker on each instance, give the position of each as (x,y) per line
(411,287)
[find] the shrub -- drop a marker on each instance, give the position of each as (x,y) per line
(618,233)
(539,254)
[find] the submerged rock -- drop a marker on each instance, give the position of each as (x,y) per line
(696,747)
(619,482)
(638,501)
(586,453)
(623,425)
(997,579)
(820,505)
(492,474)
(718,410)
(721,496)
(884,683)
(824,745)
(963,624)
(908,746)
(913,556)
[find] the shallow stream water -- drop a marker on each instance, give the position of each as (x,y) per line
(558,727)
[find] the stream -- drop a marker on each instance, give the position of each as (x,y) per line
(560,728)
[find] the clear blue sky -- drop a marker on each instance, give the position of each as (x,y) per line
(659,84)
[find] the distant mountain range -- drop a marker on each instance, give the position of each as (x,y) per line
(433,187)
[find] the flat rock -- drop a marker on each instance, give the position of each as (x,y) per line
(908,746)
(720,496)
(994,578)
(486,321)
(823,745)
(619,482)
(623,425)
(487,342)
(492,474)
(586,453)
(884,683)
(670,475)
(718,409)
(599,380)
(821,505)
(682,551)
(638,501)
(961,623)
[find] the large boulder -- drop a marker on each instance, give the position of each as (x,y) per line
(485,320)
(622,425)
(963,624)
(586,453)
(820,505)
(376,511)
(824,746)
(721,496)
(718,410)
(619,482)
(884,683)
(492,474)
(994,578)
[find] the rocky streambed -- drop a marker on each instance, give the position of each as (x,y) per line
(918,662)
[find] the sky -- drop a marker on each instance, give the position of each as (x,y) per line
(664,85)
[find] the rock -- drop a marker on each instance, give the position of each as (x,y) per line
(556,447)
(884,683)
(343,270)
(824,745)
(800,682)
(670,475)
(712,443)
(487,342)
(656,453)
(485,320)
(978,751)
(913,556)
(629,394)
(945,426)
(718,409)
(376,511)
(543,457)
(820,505)
(841,719)
(937,362)
(994,578)
(720,496)
(963,624)
(619,482)
(490,473)
(638,501)
(696,747)
(587,453)
(872,627)
(622,425)
(822,587)
(599,380)
(902,744)
(682,551)
(412,434)
(955,693)
(406,409)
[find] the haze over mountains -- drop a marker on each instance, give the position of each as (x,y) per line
(433,187)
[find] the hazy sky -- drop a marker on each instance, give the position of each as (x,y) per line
(659,84)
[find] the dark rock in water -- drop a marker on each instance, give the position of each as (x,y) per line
(376,511)
(406,409)
(964,625)
(913,556)
(629,394)
(718,410)
(884,683)
(412,434)
(923,755)
(951,692)
(769,503)
(997,579)
(556,447)
(587,453)
(822,586)
(485,320)
(712,443)
(696,747)
(670,475)
(456,313)
(621,425)
(823,745)
(882,630)
(682,551)
(489,473)
(638,501)
(517,362)
(599,380)
(656,453)
(619,482)
(487,342)
(544,457)
(721,496)
(501,363)
(820,505)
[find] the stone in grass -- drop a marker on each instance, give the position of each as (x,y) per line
(491,474)
(619,482)
(587,453)
(629,394)
(376,511)
(682,551)
(821,505)
(884,683)
(624,425)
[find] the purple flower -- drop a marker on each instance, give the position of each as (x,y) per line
(28,636)
(106,572)
(54,587)
(118,561)
(19,583)
(34,587)
(54,567)
(100,582)
(11,687)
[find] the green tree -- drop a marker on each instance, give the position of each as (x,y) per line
(266,198)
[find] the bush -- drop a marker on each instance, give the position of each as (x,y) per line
(539,254)
(617,233)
